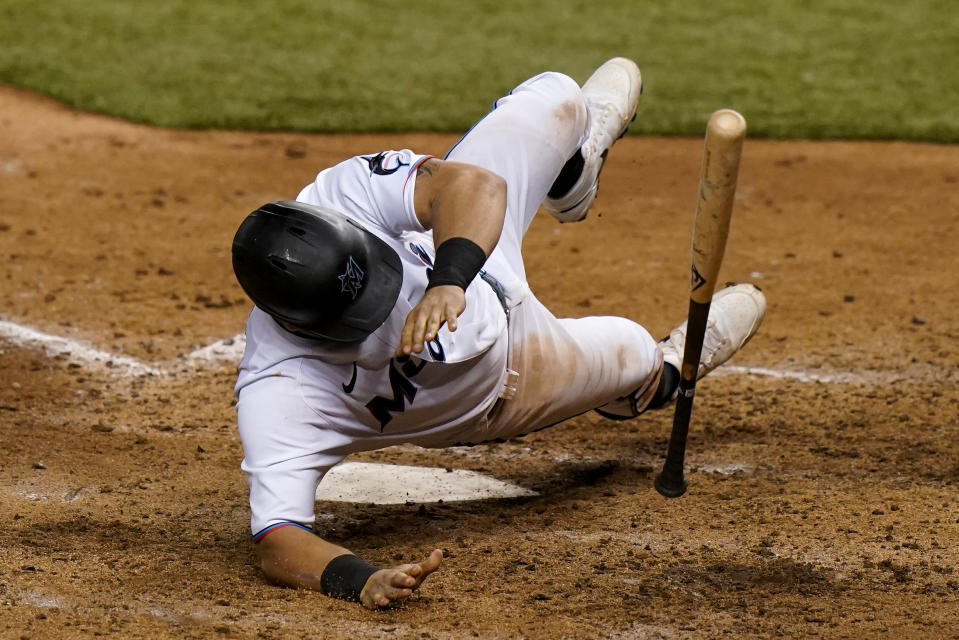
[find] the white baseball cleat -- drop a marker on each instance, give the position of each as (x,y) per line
(612,95)
(734,317)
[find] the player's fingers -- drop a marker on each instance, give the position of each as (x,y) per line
(397,585)
(395,595)
(434,323)
(385,596)
(432,563)
(422,570)
(446,313)
(419,572)
(411,338)
(433,319)
(387,586)
(423,317)
(451,317)
(454,308)
(374,601)
(403,573)
(397,591)
(406,336)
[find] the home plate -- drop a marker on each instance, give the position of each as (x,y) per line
(398,484)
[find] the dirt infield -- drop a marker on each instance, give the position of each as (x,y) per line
(824,462)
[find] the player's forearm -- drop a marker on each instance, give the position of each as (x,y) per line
(473,207)
(296,558)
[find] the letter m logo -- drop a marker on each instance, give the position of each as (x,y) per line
(403,391)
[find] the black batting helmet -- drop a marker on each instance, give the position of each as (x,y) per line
(317,270)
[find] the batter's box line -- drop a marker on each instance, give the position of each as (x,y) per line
(910,375)
(58,346)
(226,350)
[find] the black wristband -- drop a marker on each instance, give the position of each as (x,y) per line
(458,260)
(345,576)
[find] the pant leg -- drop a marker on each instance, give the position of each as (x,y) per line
(526,139)
(569,366)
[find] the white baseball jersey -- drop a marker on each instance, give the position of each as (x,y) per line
(303,405)
(435,398)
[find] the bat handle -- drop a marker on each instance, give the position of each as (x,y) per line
(671,482)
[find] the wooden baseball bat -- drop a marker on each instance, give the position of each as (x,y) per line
(717,189)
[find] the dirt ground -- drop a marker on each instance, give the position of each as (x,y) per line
(823,462)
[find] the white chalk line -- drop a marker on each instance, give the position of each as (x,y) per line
(230,351)
(839,377)
(226,350)
(56,346)
(874,378)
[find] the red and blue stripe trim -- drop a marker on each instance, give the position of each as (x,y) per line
(273,527)
(413,170)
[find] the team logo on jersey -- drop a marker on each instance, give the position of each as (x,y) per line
(420,253)
(352,279)
(404,391)
(402,370)
(384,164)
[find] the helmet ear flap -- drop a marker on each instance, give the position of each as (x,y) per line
(316,269)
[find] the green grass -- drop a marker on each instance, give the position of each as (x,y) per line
(795,68)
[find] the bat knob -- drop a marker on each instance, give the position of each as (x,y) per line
(670,485)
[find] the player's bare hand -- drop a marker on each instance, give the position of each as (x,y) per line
(442,304)
(388,586)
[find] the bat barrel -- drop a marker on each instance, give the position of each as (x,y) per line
(725,133)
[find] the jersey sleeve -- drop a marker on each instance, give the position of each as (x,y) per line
(376,190)
(287,450)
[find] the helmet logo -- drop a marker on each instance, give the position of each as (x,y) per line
(352,279)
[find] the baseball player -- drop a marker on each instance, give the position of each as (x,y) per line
(391,306)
